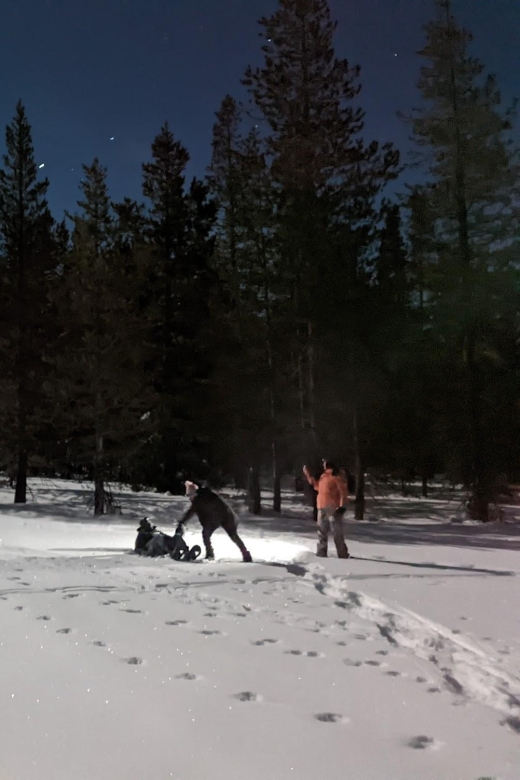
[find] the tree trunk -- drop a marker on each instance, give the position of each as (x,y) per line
(359,511)
(254,496)
(277,481)
(301,392)
(482,478)
(99,485)
(312,387)
(425,482)
(20,494)
(482,481)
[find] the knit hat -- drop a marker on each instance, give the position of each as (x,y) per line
(191,489)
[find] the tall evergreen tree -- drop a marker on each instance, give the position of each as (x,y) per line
(103,392)
(247,259)
(327,180)
(27,255)
(473,197)
(327,176)
(181,220)
(228,186)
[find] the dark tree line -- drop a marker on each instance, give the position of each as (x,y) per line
(285,307)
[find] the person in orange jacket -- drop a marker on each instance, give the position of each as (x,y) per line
(332,504)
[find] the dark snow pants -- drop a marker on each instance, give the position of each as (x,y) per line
(230,527)
(327,518)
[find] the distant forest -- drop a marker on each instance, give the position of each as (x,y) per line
(283,308)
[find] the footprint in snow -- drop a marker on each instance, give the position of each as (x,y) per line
(307,654)
(71,596)
(262,642)
(133,661)
(247,696)
(421,742)
(176,623)
(342,644)
(434,689)
(13,578)
(330,717)
(372,663)
(188,676)
(64,630)
(393,674)
(453,685)
(98,643)
(206,632)
(109,603)
(18,609)
(382,652)
(513,723)
(133,611)
(43,617)
(421,679)
(350,662)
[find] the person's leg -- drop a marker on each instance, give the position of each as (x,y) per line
(338,531)
(230,527)
(323,532)
(207,531)
(233,535)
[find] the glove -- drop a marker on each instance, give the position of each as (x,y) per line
(180,529)
(341,510)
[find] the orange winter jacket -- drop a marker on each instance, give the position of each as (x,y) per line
(332,490)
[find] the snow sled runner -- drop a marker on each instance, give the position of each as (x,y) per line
(181,551)
(155,544)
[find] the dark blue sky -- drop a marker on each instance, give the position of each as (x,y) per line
(89,70)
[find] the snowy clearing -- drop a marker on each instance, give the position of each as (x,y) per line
(399,664)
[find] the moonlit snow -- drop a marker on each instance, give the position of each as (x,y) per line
(400,664)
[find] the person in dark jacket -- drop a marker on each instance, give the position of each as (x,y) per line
(213,513)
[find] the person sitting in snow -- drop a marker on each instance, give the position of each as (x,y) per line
(213,513)
(332,502)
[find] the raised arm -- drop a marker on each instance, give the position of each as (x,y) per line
(310,478)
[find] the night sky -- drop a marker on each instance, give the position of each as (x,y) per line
(90,71)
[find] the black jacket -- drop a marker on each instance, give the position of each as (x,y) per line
(211,510)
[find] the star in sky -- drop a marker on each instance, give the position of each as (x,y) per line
(75,99)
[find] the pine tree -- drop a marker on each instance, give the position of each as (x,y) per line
(179,232)
(473,197)
(248,260)
(227,185)
(235,179)
(27,253)
(103,392)
(327,180)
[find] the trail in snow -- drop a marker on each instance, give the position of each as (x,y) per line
(467,670)
(116,666)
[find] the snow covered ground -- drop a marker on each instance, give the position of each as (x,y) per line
(400,664)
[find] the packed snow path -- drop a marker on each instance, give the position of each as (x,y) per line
(400,664)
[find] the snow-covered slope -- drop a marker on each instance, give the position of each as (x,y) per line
(400,664)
